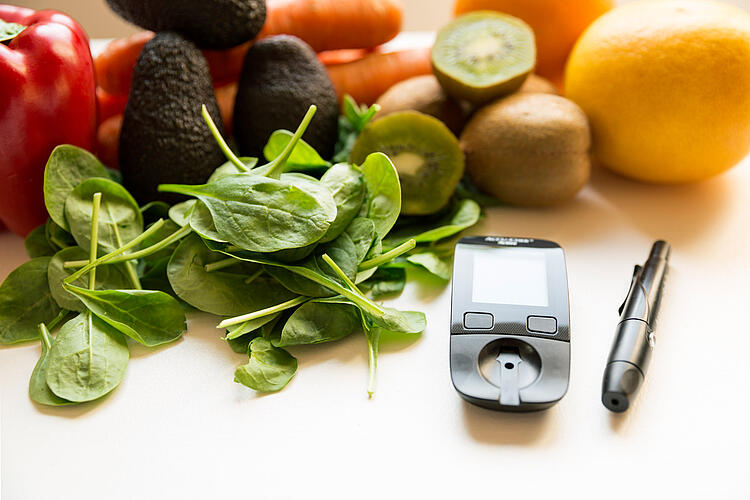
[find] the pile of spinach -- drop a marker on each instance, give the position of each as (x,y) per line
(290,252)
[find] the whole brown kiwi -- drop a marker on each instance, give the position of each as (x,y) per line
(536,84)
(528,149)
(423,94)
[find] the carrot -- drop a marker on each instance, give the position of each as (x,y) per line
(341,56)
(334,24)
(367,78)
(108,140)
(225,99)
(109,104)
(114,66)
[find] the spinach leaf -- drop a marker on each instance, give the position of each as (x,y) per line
(291,255)
(26,301)
(39,391)
(120,218)
(362,233)
(317,321)
(154,277)
(147,316)
(432,262)
(250,326)
(463,215)
(87,359)
(153,211)
(261,214)
(383,201)
(386,281)
(180,213)
(401,321)
(346,184)
(58,237)
(66,168)
(202,222)
(343,252)
(303,157)
(107,277)
(167,229)
(37,245)
(228,292)
(270,368)
(230,168)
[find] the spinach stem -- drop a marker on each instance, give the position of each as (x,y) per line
(221,142)
(341,273)
(220,264)
(106,258)
(388,256)
(263,312)
(128,265)
(145,252)
(373,339)
(58,319)
(276,166)
(44,334)
(252,277)
(94,236)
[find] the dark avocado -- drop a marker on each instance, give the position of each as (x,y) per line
(281,77)
(164,138)
(210,24)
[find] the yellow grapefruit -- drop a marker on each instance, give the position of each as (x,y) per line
(666,88)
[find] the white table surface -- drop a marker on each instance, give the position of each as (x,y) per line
(178,427)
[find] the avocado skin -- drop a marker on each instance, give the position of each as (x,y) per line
(281,77)
(210,24)
(164,138)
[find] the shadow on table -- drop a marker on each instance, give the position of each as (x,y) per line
(679,213)
(496,427)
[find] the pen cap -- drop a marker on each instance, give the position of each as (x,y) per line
(621,383)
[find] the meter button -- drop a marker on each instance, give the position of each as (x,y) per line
(541,324)
(478,321)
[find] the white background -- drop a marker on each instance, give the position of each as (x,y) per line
(178,427)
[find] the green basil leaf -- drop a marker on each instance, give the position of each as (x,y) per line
(37,244)
(120,219)
(66,168)
(87,359)
(223,292)
(26,301)
(346,184)
(270,368)
(107,277)
(262,214)
(39,391)
(303,157)
(315,322)
(433,263)
(147,316)
(383,201)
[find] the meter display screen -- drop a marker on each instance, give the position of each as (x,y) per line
(510,276)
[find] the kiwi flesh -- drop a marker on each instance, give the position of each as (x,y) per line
(528,149)
(483,55)
(425,153)
(423,94)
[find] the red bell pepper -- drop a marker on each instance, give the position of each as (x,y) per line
(47,98)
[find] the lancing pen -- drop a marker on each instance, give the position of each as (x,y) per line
(634,337)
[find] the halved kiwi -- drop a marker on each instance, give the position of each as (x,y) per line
(425,152)
(483,55)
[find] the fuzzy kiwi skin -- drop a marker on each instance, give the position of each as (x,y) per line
(528,149)
(426,136)
(536,84)
(281,77)
(213,24)
(164,138)
(423,94)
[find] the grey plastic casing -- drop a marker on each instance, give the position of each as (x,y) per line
(507,366)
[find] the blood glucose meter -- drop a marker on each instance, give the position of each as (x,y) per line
(510,323)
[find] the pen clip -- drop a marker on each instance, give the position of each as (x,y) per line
(636,271)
